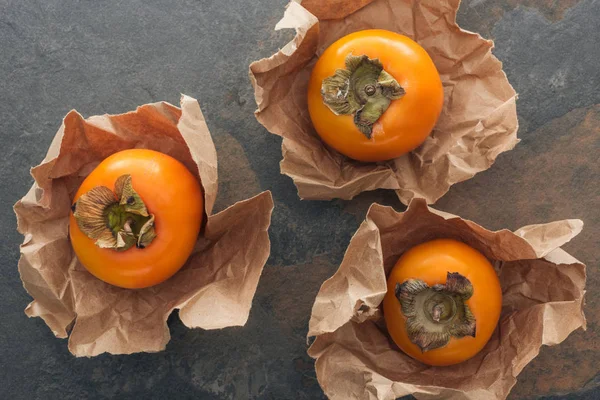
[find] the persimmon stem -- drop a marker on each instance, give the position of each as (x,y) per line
(363,89)
(436,314)
(118,220)
(438,309)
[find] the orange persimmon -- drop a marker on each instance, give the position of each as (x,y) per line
(136,218)
(374,95)
(443,302)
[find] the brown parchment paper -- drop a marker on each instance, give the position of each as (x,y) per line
(543,290)
(478,121)
(213,290)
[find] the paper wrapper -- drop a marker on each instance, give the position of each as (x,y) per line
(543,289)
(478,121)
(213,290)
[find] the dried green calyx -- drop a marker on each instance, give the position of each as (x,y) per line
(116,220)
(363,89)
(436,314)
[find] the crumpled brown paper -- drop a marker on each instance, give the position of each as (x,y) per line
(543,290)
(478,121)
(213,290)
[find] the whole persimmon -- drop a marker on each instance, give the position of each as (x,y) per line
(443,302)
(136,218)
(374,95)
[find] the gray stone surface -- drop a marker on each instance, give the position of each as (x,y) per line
(110,56)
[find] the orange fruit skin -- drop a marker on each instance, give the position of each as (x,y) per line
(430,262)
(172,193)
(406,123)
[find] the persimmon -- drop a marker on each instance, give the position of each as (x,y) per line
(374,95)
(136,218)
(443,302)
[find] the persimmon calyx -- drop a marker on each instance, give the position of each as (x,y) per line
(116,220)
(438,313)
(363,89)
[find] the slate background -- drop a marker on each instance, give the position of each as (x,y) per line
(110,56)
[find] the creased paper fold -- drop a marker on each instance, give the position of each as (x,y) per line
(543,291)
(213,290)
(478,121)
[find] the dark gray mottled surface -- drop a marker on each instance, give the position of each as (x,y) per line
(108,57)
